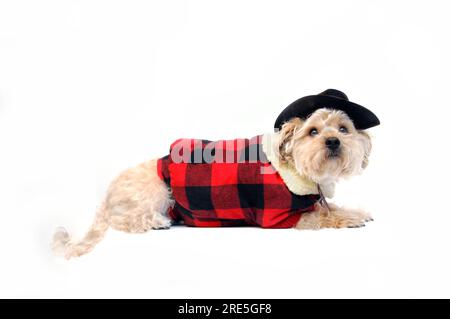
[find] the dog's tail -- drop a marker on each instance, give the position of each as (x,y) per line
(63,245)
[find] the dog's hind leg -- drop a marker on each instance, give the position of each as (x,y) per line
(137,201)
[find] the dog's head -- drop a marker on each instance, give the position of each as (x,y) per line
(325,146)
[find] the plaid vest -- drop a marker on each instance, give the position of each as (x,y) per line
(229,183)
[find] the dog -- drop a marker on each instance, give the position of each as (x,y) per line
(308,154)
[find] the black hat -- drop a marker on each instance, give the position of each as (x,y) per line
(333,99)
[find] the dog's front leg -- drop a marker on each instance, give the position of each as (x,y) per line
(337,218)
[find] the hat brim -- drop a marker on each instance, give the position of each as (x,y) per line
(362,118)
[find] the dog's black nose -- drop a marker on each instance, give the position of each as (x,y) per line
(332,143)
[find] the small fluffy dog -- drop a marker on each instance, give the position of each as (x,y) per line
(308,155)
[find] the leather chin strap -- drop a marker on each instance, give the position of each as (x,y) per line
(323,200)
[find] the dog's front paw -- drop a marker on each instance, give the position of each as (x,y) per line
(349,218)
(336,218)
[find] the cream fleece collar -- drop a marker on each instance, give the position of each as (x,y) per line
(296,183)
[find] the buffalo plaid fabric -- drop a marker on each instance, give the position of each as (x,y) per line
(229,183)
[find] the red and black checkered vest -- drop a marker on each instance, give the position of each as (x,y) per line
(229,183)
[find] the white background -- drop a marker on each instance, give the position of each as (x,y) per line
(89,88)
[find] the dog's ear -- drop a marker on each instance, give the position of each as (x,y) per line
(285,142)
(367,147)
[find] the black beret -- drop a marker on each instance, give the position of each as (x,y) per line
(333,99)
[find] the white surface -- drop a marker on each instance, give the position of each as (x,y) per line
(88,88)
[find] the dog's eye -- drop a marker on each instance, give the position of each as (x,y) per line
(343,129)
(313,131)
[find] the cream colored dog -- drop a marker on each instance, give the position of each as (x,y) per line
(320,150)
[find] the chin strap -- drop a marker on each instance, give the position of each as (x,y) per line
(323,200)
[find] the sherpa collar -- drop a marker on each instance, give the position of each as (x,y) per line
(296,183)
